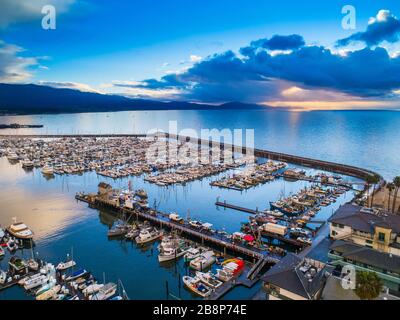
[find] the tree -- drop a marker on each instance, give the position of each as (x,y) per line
(396,182)
(374,180)
(390,186)
(368,285)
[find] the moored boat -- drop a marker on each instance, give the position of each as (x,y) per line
(147,235)
(205,260)
(209,279)
(20,230)
(195,285)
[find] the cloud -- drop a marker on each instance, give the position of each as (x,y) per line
(13,66)
(69,85)
(15,11)
(384,27)
(194,58)
(262,76)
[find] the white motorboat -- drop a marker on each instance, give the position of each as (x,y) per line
(209,279)
(148,235)
(20,230)
(205,260)
(195,285)
(65,265)
(171,253)
(105,292)
(191,254)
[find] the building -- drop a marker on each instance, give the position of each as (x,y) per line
(362,258)
(296,278)
(366,227)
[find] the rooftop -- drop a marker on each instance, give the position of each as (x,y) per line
(304,277)
(371,257)
(364,220)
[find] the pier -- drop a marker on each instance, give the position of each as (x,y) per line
(160,219)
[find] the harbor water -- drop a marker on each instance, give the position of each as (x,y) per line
(365,139)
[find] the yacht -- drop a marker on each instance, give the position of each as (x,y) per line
(203,261)
(195,285)
(209,279)
(20,230)
(147,235)
(105,292)
(171,253)
(48,170)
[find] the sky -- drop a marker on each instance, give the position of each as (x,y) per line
(295,54)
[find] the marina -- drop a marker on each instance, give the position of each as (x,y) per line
(260,248)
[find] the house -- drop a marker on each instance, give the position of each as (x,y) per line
(366,227)
(296,278)
(362,258)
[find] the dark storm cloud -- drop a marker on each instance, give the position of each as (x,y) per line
(385,27)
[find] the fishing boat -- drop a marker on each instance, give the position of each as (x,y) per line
(77,274)
(171,253)
(20,230)
(147,235)
(195,285)
(209,279)
(49,293)
(65,265)
(203,261)
(230,268)
(105,292)
(120,229)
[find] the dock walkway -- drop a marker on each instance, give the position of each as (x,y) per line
(161,219)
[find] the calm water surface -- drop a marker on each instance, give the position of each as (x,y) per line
(366,139)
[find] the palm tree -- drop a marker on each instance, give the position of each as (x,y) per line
(396,182)
(390,186)
(368,285)
(374,180)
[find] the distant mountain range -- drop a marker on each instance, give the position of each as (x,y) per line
(35,99)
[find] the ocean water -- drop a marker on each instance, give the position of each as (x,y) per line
(366,139)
